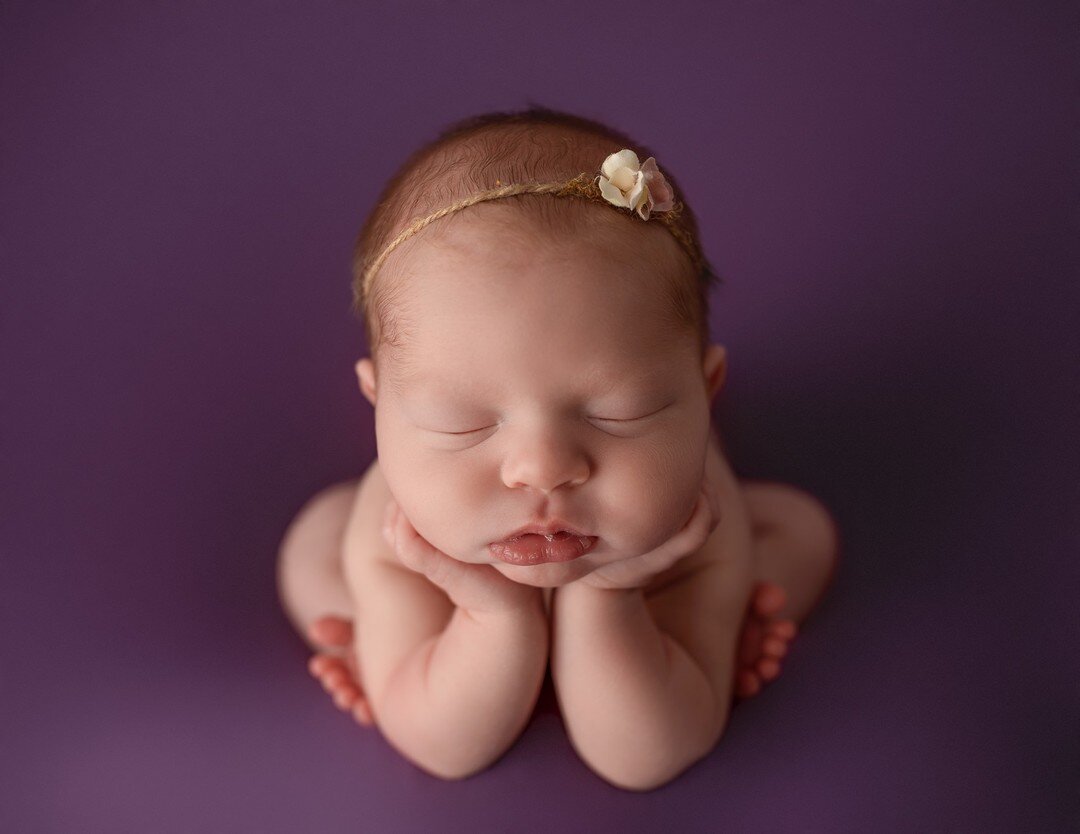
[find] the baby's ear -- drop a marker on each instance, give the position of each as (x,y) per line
(714,368)
(365,373)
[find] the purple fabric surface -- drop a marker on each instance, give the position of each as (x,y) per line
(891,196)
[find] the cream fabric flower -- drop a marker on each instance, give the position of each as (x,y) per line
(627,183)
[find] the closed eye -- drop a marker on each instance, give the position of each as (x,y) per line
(597,419)
(632,419)
(463,433)
(614,420)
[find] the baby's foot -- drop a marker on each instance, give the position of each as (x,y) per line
(336,669)
(764,640)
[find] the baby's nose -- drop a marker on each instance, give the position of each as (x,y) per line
(546,465)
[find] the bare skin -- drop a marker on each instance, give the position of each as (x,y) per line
(794,556)
(762,646)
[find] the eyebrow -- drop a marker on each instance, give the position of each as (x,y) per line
(415,378)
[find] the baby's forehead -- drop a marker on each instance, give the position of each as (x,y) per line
(431,358)
(466,312)
(449,282)
(442,376)
(497,247)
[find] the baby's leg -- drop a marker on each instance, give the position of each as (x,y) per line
(796,543)
(311,584)
(310,580)
(795,551)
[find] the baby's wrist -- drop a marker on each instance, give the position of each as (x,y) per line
(529,605)
(601,591)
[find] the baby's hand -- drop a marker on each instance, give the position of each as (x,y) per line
(639,570)
(476,588)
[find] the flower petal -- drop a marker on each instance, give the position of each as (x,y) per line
(624,179)
(639,193)
(625,158)
(612,194)
(660,192)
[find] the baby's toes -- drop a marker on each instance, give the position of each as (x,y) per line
(774,647)
(361,711)
(328,669)
(782,629)
(747,684)
(768,668)
(331,630)
(335,680)
(345,696)
(769,599)
(750,642)
(320,664)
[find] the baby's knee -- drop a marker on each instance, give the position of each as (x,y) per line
(777,506)
(329,507)
(330,503)
(319,525)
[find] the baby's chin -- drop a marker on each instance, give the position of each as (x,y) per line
(547,575)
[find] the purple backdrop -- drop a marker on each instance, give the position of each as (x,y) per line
(891,197)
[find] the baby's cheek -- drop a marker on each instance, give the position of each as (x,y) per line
(649,501)
(431,498)
(456,507)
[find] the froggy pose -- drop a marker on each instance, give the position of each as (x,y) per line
(549,491)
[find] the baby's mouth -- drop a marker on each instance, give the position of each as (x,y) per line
(536,548)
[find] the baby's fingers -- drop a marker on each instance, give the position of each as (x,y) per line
(701,523)
(712,502)
(471,586)
(415,552)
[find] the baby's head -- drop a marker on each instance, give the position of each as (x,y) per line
(535,357)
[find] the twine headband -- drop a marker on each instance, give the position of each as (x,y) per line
(623,182)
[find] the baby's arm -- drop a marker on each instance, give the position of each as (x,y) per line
(645,686)
(451,675)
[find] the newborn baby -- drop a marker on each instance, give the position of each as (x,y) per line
(549,492)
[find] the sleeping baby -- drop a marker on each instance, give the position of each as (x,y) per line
(549,494)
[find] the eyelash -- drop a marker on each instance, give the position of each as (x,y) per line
(613,420)
(600,419)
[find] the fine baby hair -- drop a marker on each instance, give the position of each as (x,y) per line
(528,157)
